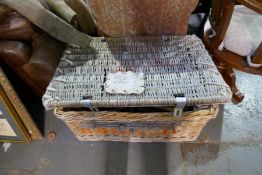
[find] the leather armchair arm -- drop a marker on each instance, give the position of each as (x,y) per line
(14,53)
(46,55)
(16,27)
(36,62)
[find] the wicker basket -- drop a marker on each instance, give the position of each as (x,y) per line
(136,126)
(171,65)
(177,72)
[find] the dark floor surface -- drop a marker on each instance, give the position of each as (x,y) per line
(229,144)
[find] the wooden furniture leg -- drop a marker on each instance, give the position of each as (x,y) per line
(230,78)
(257,57)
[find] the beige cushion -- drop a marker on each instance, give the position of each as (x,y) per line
(244,33)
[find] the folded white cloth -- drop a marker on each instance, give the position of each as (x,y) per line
(244,33)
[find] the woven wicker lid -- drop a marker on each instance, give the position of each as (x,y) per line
(172,66)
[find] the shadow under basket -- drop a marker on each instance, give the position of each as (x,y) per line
(137,124)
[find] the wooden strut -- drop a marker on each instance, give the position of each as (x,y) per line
(257,57)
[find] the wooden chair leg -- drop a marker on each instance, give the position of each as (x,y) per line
(257,57)
(230,78)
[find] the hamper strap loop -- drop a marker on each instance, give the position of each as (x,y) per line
(180,105)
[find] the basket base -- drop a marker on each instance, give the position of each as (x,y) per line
(136,126)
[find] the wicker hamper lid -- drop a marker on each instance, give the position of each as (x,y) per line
(171,65)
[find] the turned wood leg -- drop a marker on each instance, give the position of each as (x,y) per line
(230,78)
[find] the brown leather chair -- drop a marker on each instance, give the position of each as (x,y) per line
(32,54)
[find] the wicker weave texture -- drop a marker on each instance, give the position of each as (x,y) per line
(172,65)
(136,127)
